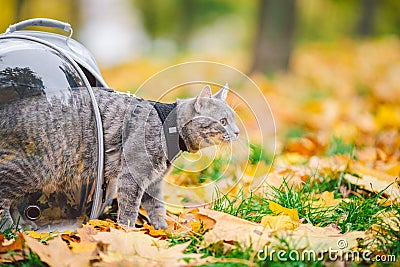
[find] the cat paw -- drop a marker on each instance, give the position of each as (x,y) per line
(129,223)
(159,223)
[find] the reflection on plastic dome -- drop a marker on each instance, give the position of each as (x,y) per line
(48,145)
(18,83)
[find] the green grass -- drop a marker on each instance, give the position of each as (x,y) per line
(257,154)
(30,259)
(11,231)
(251,207)
(357,213)
(360,212)
(295,132)
(386,237)
(301,200)
(338,147)
(236,255)
(215,171)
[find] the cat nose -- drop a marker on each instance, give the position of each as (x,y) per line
(236,134)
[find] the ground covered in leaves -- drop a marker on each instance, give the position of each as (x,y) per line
(330,196)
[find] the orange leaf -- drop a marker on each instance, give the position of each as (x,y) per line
(10,245)
(149,229)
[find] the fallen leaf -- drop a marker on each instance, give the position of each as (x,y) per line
(140,249)
(123,244)
(321,238)
(86,233)
(326,199)
(57,253)
(278,209)
(208,222)
(11,245)
(149,229)
(104,225)
(376,184)
(280,222)
(230,228)
(83,246)
(37,235)
(196,226)
(171,256)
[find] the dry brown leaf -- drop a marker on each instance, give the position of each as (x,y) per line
(167,257)
(376,184)
(57,253)
(230,228)
(140,249)
(208,222)
(104,225)
(86,233)
(149,229)
(280,222)
(124,244)
(11,245)
(322,238)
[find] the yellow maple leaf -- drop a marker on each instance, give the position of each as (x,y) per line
(197,226)
(280,222)
(278,209)
(326,199)
(37,235)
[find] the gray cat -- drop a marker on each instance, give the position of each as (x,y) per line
(45,148)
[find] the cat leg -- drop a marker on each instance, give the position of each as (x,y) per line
(6,219)
(153,203)
(129,194)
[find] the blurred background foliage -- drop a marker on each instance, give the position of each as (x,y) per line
(261,33)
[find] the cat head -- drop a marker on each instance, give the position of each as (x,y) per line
(207,119)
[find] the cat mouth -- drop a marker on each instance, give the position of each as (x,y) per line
(228,138)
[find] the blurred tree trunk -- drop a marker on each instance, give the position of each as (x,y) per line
(186,23)
(18,10)
(273,43)
(74,16)
(366,24)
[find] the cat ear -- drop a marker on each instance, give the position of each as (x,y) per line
(205,93)
(222,94)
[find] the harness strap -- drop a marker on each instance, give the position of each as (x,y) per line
(168,117)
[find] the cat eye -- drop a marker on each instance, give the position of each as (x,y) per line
(223,121)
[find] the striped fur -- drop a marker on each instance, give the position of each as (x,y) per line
(49,145)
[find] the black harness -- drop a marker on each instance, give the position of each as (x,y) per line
(168,117)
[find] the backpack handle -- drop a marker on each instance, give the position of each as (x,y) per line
(51,23)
